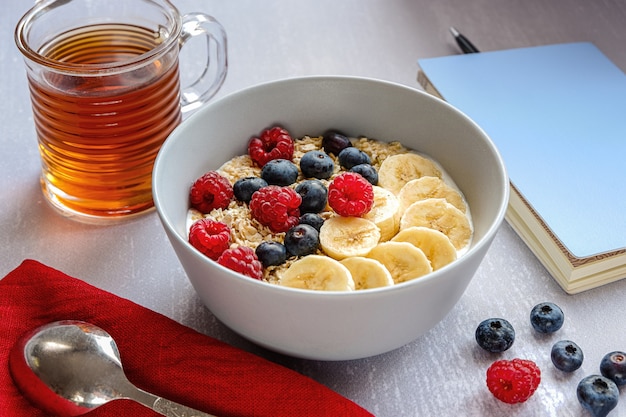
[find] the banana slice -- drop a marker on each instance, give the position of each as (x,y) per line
(403,260)
(438,214)
(384,213)
(397,170)
(367,273)
(317,272)
(344,237)
(429,187)
(435,245)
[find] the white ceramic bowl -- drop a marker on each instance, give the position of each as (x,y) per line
(331,325)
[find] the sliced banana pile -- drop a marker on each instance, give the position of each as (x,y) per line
(397,170)
(317,272)
(384,213)
(418,224)
(438,214)
(345,237)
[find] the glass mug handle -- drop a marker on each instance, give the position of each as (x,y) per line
(200,90)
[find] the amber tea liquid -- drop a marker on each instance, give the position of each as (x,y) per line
(99,134)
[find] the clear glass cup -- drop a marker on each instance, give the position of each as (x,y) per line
(105,89)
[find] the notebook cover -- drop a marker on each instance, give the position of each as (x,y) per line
(557,113)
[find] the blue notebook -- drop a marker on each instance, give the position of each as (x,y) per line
(557,113)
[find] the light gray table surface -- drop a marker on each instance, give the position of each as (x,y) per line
(441,373)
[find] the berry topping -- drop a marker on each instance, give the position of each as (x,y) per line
(513,381)
(302,240)
(367,171)
(349,194)
(211,191)
(546,317)
(280,172)
(271,253)
(566,356)
(245,187)
(352,156)
(334,142)
(495,335)
(274,143)
(314,196)
(210,237)
(613,366)
(243,260)
(276,207)
(312,219)
(317,164)
(597,394)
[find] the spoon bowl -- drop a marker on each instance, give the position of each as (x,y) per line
(70,367)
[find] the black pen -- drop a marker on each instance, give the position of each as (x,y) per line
(466,46)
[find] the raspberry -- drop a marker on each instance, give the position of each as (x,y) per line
(243,260)
(274,143)
(211,191)
(349,194)
(210,237)
(276,207)
(513,381)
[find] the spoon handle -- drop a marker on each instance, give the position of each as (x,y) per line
(163,406)
(171,409)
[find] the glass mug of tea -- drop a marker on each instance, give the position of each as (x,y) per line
(105,90)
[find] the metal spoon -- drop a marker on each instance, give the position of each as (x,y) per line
(71,367)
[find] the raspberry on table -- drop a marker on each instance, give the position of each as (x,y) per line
(276,207)
(210,237)
(349,194)
(243,260)
(273,143)
(513,381)
(211,191)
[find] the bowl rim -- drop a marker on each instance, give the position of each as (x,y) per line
(476,246)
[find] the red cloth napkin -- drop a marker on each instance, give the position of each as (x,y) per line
(159,355)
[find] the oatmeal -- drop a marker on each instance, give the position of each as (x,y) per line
(376,215)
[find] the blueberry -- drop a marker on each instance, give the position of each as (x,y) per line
(613,366)
(566,356)
(312,219)
(546,317)
(301,240)
(352,156)
(317,164)
(597,394)
(334,142)
(367,171)
(271,253)
(245,187)
(280,172)
(314,196)
(495,335)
